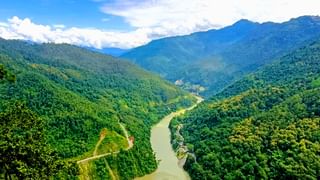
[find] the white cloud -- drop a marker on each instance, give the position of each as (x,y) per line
(175,17)
(105,19)
(3,24)
(60,26)
(25,29)
(154,19)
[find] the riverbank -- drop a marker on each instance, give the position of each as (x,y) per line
(177,141)
(168,167)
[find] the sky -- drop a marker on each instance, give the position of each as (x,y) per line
(130,23)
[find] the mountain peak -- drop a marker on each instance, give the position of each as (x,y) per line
(306,19)
(244,22)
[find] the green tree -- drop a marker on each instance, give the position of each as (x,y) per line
(4,74)
(23,151)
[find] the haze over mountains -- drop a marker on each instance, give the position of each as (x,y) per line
(215,58)
(110,51)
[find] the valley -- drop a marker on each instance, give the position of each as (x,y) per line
(169,166)
(80,96)
(159,90)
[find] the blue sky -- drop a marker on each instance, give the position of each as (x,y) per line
(72,13)
(131,23)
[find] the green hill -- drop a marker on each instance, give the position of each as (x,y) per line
(80,95)
(264,126)
(216,58)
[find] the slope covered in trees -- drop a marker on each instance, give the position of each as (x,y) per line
(79,94)
(265,126)
(215,58)
(24,152)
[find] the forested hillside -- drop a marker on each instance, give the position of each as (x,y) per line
(264,126)
(213,59)
(78,96)
(116,52)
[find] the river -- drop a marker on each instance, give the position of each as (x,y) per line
(168,168)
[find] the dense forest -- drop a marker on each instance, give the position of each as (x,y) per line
(264,126)
(213,59)
(62,98)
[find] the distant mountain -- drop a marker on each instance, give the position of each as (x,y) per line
(264,126)
(81,95)
(116,52)
(215,58)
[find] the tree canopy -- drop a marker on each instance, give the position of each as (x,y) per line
(265,126)
(78,93)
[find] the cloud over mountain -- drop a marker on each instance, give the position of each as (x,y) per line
(153,19)
(25,29)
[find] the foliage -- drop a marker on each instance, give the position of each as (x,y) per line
(5,75)
(216,58)
(77,93)
(265,126)
(24,153)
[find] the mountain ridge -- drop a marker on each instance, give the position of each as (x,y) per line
(266,125)
(244,46)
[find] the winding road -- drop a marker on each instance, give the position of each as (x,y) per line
(164,131)
(130,145)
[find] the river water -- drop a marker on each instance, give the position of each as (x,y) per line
(168,169)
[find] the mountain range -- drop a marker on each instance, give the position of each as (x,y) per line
(116,52)
(213,59)
(69,112)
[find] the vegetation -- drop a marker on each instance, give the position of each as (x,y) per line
(5,75)
(216,58)
(78,93)
(265,126)
(24,153)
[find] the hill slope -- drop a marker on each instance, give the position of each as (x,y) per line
(215,58)
(81,94)
(265,126)
(116,52)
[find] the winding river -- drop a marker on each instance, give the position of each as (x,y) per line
(168,168)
